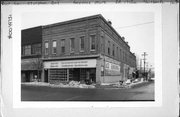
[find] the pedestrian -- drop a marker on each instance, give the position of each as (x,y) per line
(137,74)
(35,77)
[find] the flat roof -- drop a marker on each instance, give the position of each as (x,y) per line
(85,18)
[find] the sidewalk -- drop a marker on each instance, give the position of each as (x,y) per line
(75,84)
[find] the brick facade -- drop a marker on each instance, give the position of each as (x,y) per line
(64,41)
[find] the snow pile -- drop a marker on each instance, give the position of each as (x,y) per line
(105,83)
(128,81)
(86,86)
(74,83)
(120,85)
(71,84)
(36,83)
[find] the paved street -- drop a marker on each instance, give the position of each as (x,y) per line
(36,93)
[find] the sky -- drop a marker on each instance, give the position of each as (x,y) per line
(136,27)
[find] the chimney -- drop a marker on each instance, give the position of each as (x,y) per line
(109,22)
(123,38)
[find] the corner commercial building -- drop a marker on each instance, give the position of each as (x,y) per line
(85,48)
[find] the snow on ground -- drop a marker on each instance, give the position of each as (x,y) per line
(71,84)
(76,84)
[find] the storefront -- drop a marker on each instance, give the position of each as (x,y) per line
(67,70)
(29,71)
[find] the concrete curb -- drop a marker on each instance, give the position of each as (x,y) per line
(140,84)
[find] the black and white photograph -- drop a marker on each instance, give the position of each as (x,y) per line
(90,59)
(87,56)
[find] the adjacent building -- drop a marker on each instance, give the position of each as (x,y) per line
(81,49)
(31,54)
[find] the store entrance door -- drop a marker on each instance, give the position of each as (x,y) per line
(74,74)
(45,75)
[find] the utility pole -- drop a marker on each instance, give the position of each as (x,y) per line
(144,54)
(140,65)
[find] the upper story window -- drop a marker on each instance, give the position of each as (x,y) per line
(54,47)
(113,53)
(82,43)
(109,46)
(22,50)
(36,49)
(120,54)
(123,55)
(72,44)
(27,50)
(102,43)
(63,46)
(92,42)
(117,54)
(46,48)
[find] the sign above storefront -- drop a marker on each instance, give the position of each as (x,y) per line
(87,63)
(111,66)
(112,69)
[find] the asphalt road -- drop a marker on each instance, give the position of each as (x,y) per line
(36,93)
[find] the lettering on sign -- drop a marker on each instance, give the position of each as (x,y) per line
(111,66)
(71,64)
(54,64)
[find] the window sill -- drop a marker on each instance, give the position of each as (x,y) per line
(92,50)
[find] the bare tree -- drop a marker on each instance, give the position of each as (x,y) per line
(38,65)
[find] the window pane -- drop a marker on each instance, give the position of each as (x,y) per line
(63,45)
(46,45)
(92,38)
(54,47)
(109,47)
(54,43)
(113,49)
(72,44)
(28,50)
(62,42)
(82,43)
(46,48)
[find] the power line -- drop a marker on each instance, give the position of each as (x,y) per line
(145,54)
(136,24)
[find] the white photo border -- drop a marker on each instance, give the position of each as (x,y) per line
(16,59)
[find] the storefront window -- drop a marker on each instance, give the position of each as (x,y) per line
(58,74)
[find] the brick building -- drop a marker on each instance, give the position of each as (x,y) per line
(31,54)
(85,48)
